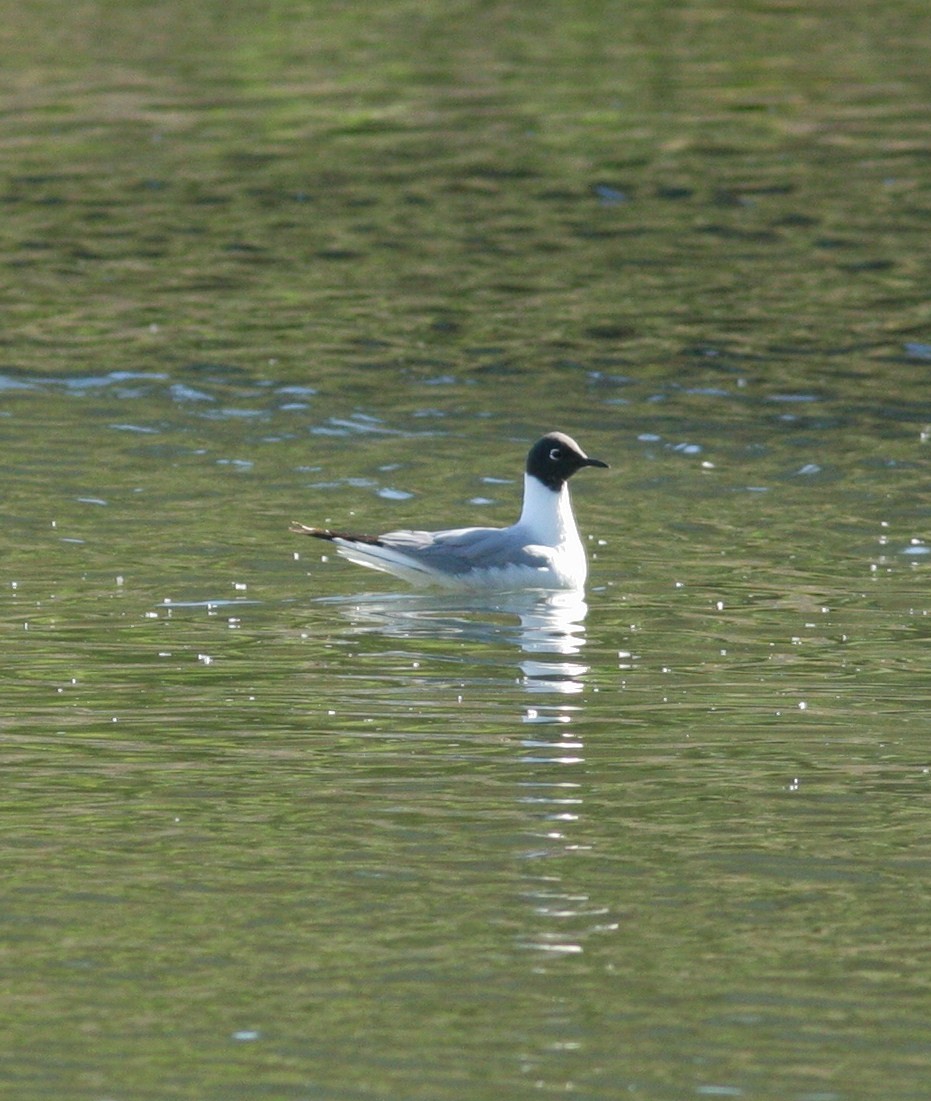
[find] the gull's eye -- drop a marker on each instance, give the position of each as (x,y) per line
(555,455)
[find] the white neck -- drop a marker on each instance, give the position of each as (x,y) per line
(547,513)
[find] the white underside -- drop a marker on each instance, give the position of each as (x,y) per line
(561,574)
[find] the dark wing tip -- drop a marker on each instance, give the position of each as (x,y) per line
(303,529)
(325,533)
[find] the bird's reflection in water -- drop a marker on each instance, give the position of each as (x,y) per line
(562,915)
(548,631)
(554,632)
(546,622)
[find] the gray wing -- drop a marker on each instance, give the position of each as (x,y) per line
(459,551)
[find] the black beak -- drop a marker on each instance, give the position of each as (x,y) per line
(595,462)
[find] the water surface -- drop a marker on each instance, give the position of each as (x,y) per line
(277,826)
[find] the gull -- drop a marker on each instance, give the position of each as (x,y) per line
(542,550)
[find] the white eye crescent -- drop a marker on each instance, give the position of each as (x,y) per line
(555,455)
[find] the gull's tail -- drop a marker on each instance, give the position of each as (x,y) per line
(326,533)
(371,551)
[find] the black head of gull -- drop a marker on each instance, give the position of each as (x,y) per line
(555,458)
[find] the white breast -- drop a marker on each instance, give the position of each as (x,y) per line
(549,523)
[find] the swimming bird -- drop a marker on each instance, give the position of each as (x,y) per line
(542,550)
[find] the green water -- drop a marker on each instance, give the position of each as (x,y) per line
(276,827)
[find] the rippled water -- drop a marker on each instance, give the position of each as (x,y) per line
(339,840)
(277,826)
